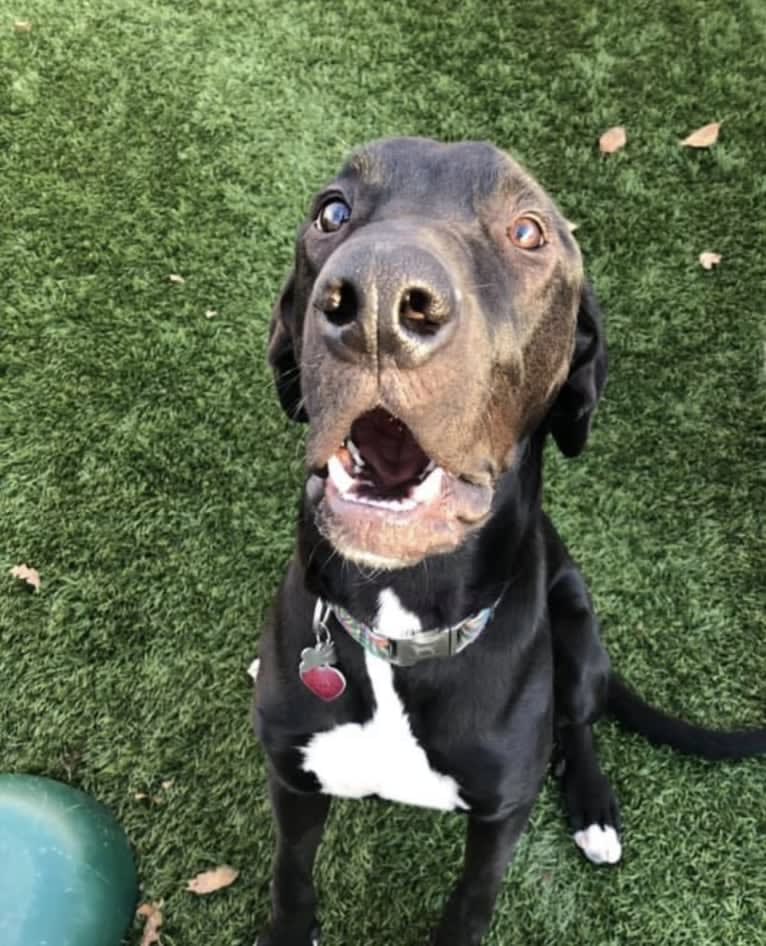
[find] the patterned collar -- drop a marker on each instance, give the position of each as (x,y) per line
(406,651)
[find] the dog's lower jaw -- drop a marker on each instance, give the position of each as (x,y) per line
(386,540)
(376,563)
(377,554)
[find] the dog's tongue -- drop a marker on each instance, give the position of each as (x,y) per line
(388,448)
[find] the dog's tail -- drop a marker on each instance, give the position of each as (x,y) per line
(661,729)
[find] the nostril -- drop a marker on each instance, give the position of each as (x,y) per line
(420,312)
(339,303)
(418,301)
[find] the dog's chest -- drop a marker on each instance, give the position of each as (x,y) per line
(381,757)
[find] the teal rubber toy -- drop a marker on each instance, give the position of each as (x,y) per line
(67,875)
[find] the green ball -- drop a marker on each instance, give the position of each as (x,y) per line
(67,875)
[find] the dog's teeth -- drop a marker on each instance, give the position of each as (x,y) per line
(338,475)
(430,488)
(356,456)
(395,505)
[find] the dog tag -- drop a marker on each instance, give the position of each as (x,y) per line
(317,672)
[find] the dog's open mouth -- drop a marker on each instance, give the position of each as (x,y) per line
(385,500)
(382,465)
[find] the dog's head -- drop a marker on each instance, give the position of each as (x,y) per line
(437,315)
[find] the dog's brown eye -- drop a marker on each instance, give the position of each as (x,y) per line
(526,233)
(333,215)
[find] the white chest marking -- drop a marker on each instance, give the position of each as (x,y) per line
(393,619)
(381,757)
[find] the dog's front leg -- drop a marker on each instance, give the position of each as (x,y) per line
(489,848)
(299,820)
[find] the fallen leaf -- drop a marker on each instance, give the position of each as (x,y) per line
(211,880)
(177,279)
(708,260)
(157,798)
(211,313)
(30,575)
(152,913)
(23,26)
(613,139)
(703,137)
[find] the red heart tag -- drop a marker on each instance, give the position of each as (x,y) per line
(327,683)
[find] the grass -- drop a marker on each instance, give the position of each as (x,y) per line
(146,471)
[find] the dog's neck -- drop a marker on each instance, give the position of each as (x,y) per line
(441,590)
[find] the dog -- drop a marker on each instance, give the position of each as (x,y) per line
(432,640)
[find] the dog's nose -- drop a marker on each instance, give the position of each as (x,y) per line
(396,302)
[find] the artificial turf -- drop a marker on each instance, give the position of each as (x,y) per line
(146,470)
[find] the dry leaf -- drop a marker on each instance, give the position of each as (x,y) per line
(23,26)
(708,260)
(177,279)
(703,137)
(154,799)
(152,913)
(211,880)
(30,575)
(151,799)
(612,140)
(211,313)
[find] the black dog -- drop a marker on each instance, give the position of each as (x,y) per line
(436,327)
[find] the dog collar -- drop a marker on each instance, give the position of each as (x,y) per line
(404,652)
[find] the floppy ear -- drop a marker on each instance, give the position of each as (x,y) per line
(282,356)
(575,404)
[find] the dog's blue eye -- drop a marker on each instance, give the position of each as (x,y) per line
(333,215)
(526,233)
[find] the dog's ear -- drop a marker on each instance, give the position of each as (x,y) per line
(282,355)
(575,404)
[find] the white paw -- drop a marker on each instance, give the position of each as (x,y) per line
(599,845)
(253,672)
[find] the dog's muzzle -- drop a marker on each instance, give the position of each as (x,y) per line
(381,298)
(383,502)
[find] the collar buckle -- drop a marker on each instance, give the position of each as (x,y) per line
(405,651)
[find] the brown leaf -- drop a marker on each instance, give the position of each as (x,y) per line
(177,279)
(30,575)
(150,799)
(157,798)
(211,880)
(708,259)
(703,137)
(23,26)
(152,913)
(613,139)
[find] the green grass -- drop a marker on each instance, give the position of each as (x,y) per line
(146,471)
